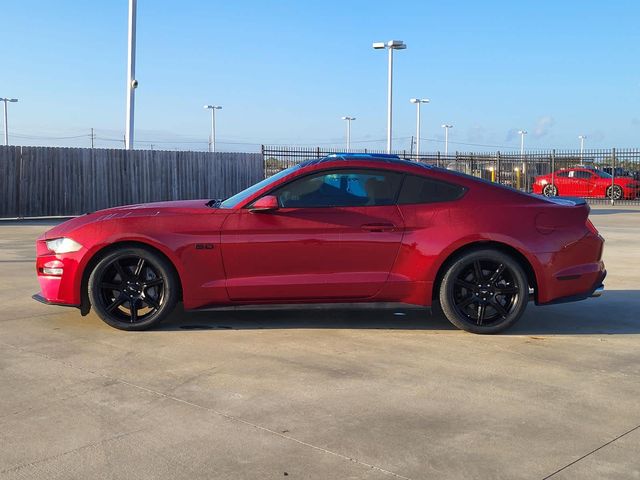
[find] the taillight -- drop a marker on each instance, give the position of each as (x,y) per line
(591,227)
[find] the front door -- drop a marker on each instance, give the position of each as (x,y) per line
(335,237)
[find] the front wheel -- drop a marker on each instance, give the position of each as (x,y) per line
(615,192)
(484,291)
(133,288)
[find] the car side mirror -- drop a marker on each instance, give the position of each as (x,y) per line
(268,203)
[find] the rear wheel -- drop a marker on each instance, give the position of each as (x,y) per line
(133,289)
(484,291)
(550,190)
(615,192)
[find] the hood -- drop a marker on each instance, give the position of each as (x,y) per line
(154,209)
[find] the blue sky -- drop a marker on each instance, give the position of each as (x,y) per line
(286,71)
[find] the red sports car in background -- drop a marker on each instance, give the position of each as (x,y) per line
(344,228)
(586,182)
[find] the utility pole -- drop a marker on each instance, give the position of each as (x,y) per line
(132,83)
(92,137)
(212,138)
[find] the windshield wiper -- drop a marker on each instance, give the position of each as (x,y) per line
(214,203)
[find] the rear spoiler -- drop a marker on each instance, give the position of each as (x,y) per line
(565,201)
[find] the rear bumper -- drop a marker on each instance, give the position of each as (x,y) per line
(596,290)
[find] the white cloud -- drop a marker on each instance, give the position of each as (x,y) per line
(543,126)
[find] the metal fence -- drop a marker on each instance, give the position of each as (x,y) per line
(51,181)
(601,176)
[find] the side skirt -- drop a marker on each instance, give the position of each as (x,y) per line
(315,306)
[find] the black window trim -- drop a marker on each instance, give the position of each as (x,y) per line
(404,175)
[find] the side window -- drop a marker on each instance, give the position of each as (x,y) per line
(340,188)
(564,173)
(582,174)
(425,190)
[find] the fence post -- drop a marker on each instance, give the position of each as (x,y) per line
(498,167)
(613,174)
(553,170)
(317,152)
(438,159)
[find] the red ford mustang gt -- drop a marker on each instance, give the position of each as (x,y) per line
(586,182)
(344,228)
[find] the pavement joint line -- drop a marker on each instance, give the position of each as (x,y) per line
(592,452)
(201,407)
(73,450)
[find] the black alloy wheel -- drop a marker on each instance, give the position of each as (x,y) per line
(484,291)
(133,289)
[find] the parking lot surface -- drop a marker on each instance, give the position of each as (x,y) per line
(319,394)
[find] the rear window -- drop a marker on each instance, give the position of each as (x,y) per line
(426,190)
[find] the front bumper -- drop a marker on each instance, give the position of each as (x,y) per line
(39,298)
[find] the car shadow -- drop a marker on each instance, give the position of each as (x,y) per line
(616,312)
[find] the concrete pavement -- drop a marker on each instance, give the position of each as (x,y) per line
(317,394)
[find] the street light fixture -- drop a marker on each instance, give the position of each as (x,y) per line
(349,120)
(418,101)
(6,125)
(581,137)
(212,138)
(391,45)
(446,138)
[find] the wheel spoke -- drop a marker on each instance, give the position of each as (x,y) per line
(496,275)
(153,283)
(509,290)
(467,301)
(499,308)
(481,311)
(478,271)
(116,303)
(134,311)
(111,286)
(464,284)
(139,267)
(123,276)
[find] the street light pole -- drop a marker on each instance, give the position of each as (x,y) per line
(418,101)
(132,83)
(212,139)
(6,121)
(581,137)
(446,138)
(349,120)
(522,134)
(391,45)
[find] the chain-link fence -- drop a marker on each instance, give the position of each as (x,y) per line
(601,176)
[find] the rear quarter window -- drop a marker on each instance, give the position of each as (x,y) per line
(426,190)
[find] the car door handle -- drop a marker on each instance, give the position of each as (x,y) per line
(378,227)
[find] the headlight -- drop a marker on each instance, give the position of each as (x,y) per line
(63,245)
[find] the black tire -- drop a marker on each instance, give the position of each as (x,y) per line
(615,192)
(496,304)
(550,190)
(133,277)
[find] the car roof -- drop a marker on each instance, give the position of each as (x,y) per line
(377,157)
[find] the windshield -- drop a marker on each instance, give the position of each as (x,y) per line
(231,202)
